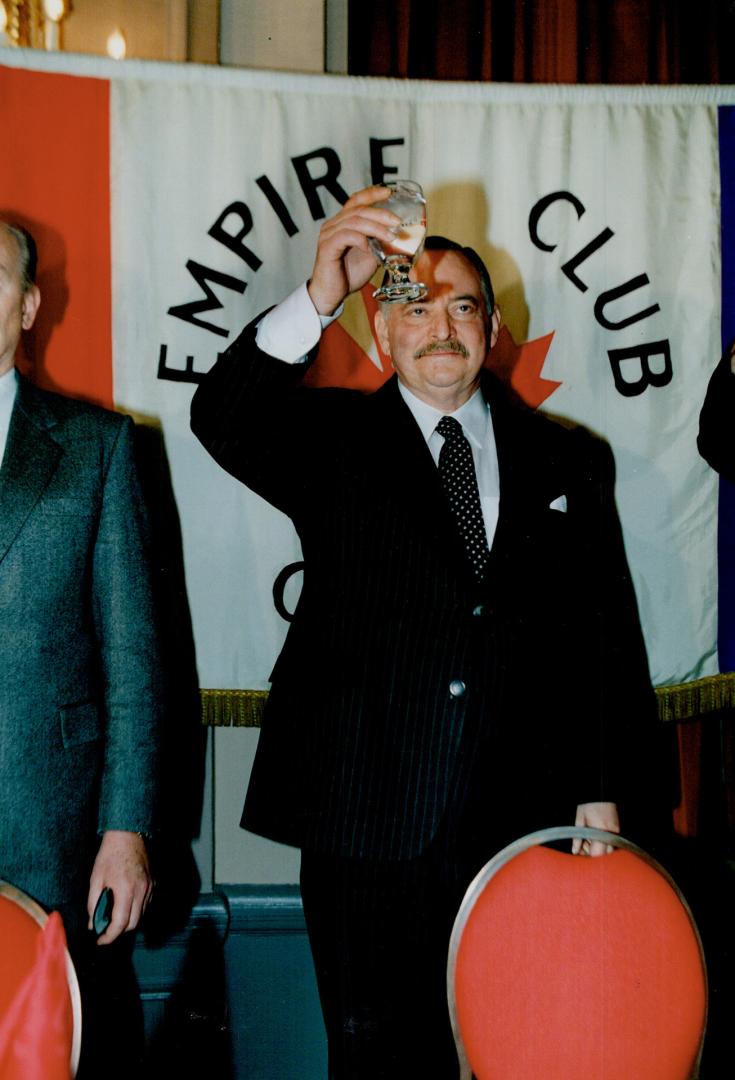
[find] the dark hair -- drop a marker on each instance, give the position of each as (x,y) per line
(27,252)
(442,243)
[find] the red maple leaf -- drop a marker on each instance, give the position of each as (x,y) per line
(343,361)
(520,366)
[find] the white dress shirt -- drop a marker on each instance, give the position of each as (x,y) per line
(477,426)
(290,331)
(8,390)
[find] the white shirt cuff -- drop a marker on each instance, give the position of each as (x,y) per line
(292,328)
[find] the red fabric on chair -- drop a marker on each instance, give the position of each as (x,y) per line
(572,968)
(19,937)
(36,1029)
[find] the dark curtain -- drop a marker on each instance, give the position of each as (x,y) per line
(545,41)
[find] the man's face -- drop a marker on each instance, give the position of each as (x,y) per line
(438,345)
(17,308)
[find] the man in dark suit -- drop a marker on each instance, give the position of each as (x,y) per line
(447,683)
(79,697)
(716,441)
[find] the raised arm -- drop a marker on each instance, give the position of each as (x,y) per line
(344,260)
(250,411)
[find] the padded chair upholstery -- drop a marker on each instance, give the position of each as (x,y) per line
(21,927)
(566,967)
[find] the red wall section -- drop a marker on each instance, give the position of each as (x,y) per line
(55,180)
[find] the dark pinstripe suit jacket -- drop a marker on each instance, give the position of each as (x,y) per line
(364,745)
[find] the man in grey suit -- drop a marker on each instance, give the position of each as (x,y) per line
(79,695)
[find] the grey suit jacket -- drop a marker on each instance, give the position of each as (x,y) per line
(79,677)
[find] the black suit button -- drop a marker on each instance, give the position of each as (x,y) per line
(457,688)
(478,610)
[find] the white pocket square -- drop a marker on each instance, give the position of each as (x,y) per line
(560,503)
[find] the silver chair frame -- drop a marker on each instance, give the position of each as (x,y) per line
(40,916)
(535,839)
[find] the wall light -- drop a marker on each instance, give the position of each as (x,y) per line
(117,46)
(54,11)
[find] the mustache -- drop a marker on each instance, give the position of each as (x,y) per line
(450,345)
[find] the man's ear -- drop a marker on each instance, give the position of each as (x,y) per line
(29,306)
(494,325)
(381,330)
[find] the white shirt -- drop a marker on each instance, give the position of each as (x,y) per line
(292,328)
(8,390)
(290,331)
(477,425)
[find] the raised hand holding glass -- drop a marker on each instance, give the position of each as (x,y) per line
(408,202)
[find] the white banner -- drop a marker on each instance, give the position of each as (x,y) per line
(597,212)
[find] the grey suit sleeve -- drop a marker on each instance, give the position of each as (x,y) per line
(125,627)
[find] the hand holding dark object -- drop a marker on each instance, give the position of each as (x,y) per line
(122,867)
(102,915)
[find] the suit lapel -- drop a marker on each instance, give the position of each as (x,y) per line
(410,471)
(401,445)
(31,458)
(523,455)
(519,471)
(411,476)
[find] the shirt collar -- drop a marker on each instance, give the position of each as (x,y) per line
(474,415)
(8,385)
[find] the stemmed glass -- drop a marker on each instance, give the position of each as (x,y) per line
(408,202)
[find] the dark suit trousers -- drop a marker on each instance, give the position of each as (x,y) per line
(112,1017)
(379,935)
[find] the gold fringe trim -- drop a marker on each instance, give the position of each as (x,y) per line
(687,701)
(233,708)
(684,701)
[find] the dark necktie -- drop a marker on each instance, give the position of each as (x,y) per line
(457,474)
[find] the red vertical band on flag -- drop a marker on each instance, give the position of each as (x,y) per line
(55,181)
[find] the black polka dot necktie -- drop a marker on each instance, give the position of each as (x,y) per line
(457,474)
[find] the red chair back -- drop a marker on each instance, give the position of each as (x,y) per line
(574,968)
(40,1005)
